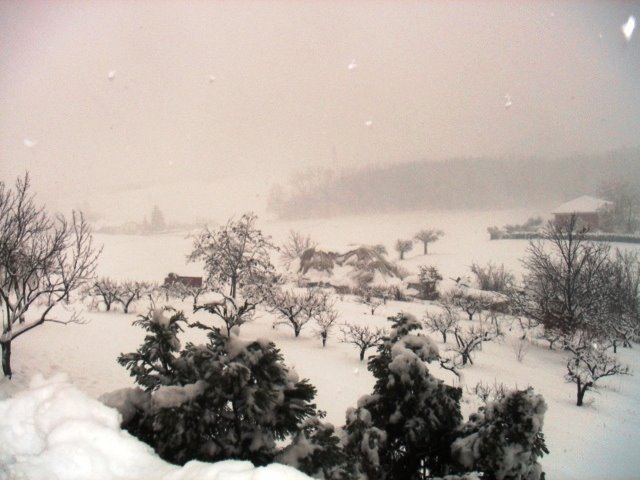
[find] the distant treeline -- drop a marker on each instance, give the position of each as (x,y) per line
(469,183)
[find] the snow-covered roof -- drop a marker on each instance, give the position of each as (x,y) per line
(583,204)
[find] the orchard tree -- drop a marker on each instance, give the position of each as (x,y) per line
(236,257)
(588,362)
(105,289)
(428,236)
(129,291)
(42,257)
(362,336)
(326,321)
(296,307)
(443,322)
(403,246)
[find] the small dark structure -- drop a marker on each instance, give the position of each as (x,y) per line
(173,278)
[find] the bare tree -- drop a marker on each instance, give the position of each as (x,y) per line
(566,285)
(296,245)
(428,236)
(326,321)
(236,256)
(624,213)
(470,303)
(443,322)
(130,291)
(105,289)
(297,308)
(470,339)
(41,257)
(366,296)
(403,246)
(588,363)
(362,337)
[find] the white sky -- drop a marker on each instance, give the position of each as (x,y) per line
(431,77)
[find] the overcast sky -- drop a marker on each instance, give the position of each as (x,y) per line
(204,94)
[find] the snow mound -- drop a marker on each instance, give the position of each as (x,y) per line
(53,431)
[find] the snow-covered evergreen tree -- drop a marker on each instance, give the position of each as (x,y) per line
(404,429)
(504,439)
(227,399)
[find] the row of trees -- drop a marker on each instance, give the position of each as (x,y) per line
(425,236)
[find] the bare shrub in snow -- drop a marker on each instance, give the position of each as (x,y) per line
(403,246)
(589,362)
(487,392)
(363,337)
(493,277)
(427,236)
(521,348)
(296,244)
(41,256)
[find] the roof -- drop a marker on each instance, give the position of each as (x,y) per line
(583,204)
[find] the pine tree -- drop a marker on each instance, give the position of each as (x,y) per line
(404,429)
(157,220)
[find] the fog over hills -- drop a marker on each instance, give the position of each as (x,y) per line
(466,183)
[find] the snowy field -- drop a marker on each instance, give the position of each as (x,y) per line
(596,441)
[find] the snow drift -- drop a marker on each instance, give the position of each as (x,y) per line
(54,431)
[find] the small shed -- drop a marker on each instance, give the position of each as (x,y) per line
(585,208)
(192,282)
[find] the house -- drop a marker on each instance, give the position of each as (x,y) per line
(172,278)
(587,209)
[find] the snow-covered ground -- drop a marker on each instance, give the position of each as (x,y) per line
(596,441)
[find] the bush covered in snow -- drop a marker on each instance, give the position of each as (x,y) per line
(410,426)
(227,399)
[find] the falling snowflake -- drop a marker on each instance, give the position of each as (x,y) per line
(29,143)
(111,75)
(212,78)
(353,65)
(627,28)
(356,371)
(368,123)
(507,101)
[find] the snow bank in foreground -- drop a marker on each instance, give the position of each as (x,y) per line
(54,431)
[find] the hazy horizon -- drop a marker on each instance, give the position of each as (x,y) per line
(199,107)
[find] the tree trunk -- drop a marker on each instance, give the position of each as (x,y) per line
(296,330)
(425,248)
(362,352)
(324,340)
(6,358)
(444,337)
(401,255)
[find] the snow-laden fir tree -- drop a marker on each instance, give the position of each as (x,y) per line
(405,427)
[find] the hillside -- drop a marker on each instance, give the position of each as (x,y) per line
(469,183)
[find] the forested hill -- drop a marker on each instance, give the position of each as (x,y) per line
(476,183)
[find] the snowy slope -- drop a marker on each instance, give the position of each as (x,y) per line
(596,441)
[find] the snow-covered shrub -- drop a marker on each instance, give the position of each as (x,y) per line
(316,451)
(225,399)
(504,439)
(404,428)
(493,278)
